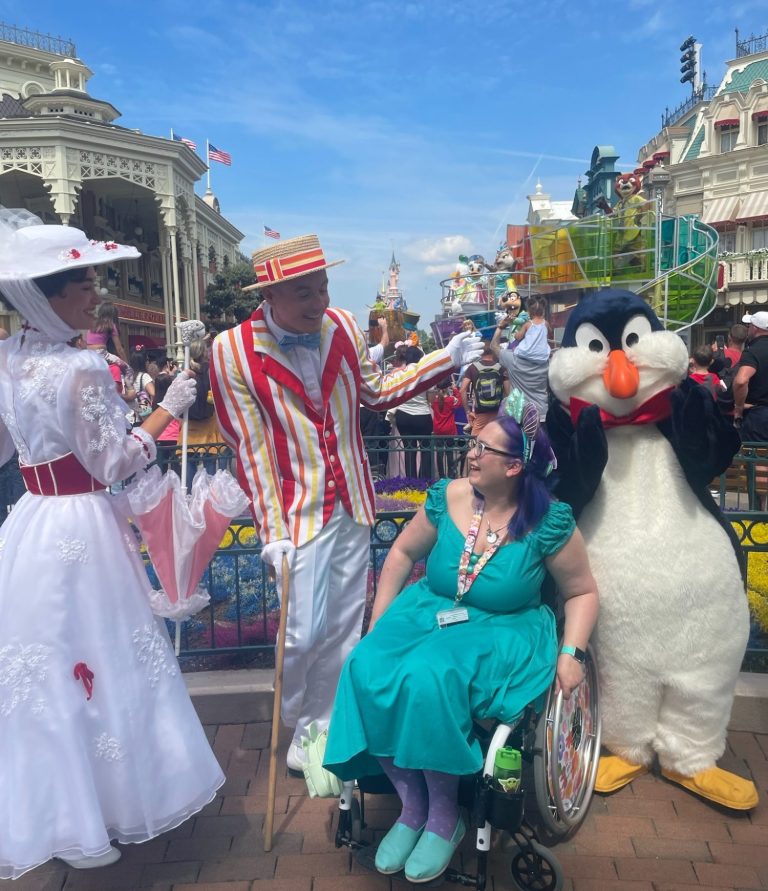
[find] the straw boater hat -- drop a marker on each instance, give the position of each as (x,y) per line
(287,260)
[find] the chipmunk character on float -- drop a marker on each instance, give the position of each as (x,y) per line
(511,314)
(637,444)
(629,220)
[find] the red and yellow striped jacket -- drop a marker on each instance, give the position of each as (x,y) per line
(293,461)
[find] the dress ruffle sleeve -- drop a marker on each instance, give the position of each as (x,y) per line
(435,505)
(91,416)
(554,529)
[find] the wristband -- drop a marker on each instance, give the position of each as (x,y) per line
(578,655)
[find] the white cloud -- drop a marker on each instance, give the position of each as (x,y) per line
(439,251)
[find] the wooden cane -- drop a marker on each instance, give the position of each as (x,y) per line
(269,817)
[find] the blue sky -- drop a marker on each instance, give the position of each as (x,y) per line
(419,126)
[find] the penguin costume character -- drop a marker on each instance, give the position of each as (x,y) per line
(637,445)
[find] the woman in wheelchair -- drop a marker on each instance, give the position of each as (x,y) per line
(470,640)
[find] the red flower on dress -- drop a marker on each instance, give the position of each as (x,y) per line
(84,674)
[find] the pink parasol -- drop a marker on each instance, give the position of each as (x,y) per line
(181,532)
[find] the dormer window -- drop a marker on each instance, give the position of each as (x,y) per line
(761,126)
(728,128)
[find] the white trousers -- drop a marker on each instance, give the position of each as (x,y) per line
(325,616)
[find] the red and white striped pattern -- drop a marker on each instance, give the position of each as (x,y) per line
(277,268)
(294,461)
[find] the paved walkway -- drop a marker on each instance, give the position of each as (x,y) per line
(652,836)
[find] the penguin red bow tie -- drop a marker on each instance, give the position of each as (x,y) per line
(653,410)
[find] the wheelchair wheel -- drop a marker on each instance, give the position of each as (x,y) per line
(566,755)
(535,868)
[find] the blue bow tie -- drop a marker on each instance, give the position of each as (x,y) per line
(310,341)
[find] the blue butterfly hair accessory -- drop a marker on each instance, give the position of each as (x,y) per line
(527,416)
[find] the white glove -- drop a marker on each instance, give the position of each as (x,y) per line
(272,555)
(465,347)
(180,395)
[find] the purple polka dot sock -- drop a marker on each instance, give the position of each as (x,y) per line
(443,790)
(412,791)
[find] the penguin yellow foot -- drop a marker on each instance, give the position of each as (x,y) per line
(613,772)
(718,785)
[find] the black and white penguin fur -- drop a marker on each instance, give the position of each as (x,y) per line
(673,621)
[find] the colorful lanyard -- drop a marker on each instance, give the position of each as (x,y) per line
(467,578)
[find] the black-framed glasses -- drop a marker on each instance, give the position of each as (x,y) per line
(480,448)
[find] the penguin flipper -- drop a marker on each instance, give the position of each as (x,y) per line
(582,453)
(704,440)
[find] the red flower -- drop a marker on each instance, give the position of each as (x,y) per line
(110,246)
(74,254)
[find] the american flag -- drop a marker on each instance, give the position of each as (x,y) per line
(270,233)
(177,138)
(219,155)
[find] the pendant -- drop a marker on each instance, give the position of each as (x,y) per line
(491,537)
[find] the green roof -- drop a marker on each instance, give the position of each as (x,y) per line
(695,147)
(741,81)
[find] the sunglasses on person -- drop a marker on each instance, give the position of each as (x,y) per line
(480,448)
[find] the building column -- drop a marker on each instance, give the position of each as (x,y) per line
(176,290)
(166,283)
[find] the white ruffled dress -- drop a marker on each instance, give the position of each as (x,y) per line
(131,761)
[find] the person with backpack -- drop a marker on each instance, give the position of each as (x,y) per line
(143,385)
(483,387)
(701,359)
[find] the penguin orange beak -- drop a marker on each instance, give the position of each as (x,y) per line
(621,377)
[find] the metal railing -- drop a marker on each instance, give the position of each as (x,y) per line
(703,94)
(751,45)
(60,46)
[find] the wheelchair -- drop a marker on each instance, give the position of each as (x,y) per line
(560,746)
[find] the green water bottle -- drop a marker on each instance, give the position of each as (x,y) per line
(508,769)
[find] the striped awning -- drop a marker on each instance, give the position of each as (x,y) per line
(720,210)
(754,206)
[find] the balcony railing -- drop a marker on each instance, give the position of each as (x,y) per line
(703,94)
(751,45)
(745,269)
(45,42)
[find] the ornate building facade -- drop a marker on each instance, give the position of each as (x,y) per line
(63,158)
(710,159)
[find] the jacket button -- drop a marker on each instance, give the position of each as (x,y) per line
(331,484)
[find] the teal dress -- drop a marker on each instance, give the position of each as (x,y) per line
(409,690)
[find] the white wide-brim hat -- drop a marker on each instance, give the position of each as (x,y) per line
(288,259)
(34,251)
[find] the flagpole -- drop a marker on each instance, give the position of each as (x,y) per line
(208,161)
(263,235)
(171,134)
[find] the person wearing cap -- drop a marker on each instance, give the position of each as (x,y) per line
(287,385)
(750,385)
(99,741)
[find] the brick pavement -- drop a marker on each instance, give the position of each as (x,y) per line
(651,836)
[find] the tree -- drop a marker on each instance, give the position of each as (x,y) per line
(426,340)
(225,297)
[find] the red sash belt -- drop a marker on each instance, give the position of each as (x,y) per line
(64,476)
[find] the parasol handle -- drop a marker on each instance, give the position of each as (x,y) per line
(184,430)
(192,329)
(269,817)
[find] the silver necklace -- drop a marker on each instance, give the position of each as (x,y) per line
(492,535)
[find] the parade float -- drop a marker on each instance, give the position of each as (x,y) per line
(669,261)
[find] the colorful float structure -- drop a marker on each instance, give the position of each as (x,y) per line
(669,261)
(390,304)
